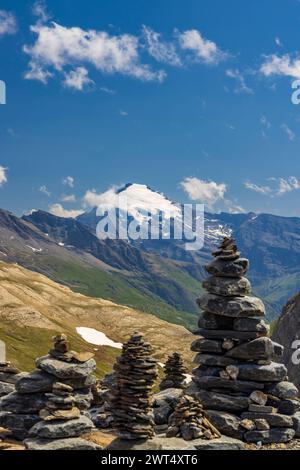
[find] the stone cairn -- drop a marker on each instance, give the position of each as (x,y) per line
(62,423)
(244,389)
(174,373)
(131,397)
(189,421)
(48,403)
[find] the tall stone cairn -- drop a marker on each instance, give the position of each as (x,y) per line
(174,373)
(238,378)
(131,397)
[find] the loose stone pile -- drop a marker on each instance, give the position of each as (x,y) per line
(174,373)
(189,421)
(130,399)
(239,382)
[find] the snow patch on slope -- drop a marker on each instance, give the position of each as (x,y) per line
(92,336)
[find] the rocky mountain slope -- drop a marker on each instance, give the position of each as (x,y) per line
(287,332)
(33,308)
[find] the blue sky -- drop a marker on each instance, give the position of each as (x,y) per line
(192,98)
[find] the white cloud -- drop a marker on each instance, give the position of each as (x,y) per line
(258,188)
(281,65)
(77,79)
(264,121)
(280,186)
(57,46)
(159,50)
(123,113)
(241,86)
(8,23)
(69,181)
(278,42)
(39,9)
(3,176)
(43,189)
(206,192)
(290,134)
(60,211)
(68,198)
(107,90)
(288,185)
(204,50)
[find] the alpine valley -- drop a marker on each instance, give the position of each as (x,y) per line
(154,276)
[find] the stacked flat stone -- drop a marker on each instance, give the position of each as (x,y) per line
(237,378)
(190,422)
(9,374)
(174,373)
(69,376)
(131,398)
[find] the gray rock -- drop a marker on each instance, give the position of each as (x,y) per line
(226,423)
(6,388)
(296,423)
(83,398)
(19,424)
(289,406)
(260,348)
(208,383)
(251,324)
(61,429)
(61,444)
(228,334)
(283,390)
(203,371)
(207,345)
(215,322)
(227,286)
(220,401)
(233,307)
(66,370)
(225,268)
(27,404)
(157,443)
(262,373)
(35,382)
(223,443)
(214,360)
(275,420)
(274,435)
(170,396)
(11,378)
(162,413)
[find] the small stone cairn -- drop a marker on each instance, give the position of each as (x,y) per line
(190,422)
(131,397)
(39,393)
(174,373)
(238,378)
(61,420)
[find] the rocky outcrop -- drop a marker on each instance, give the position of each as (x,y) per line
(287,332)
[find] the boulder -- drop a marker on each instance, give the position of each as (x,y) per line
(6,388)
(11,378)
(25,403)
(223,443)
(61,429)
(221,402)
(283,390)
(208,383)
(251,324)
(226,423)
(19,424)
(274,435)
(260,348)
(61,444)
(233,307)
(289,406)
(35,382)
(272,372)
(227,286)
(275,420)
(214,360)
(225,268)
(215,322)
(66,370)
(207,345)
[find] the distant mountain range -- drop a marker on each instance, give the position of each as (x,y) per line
(155,276)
